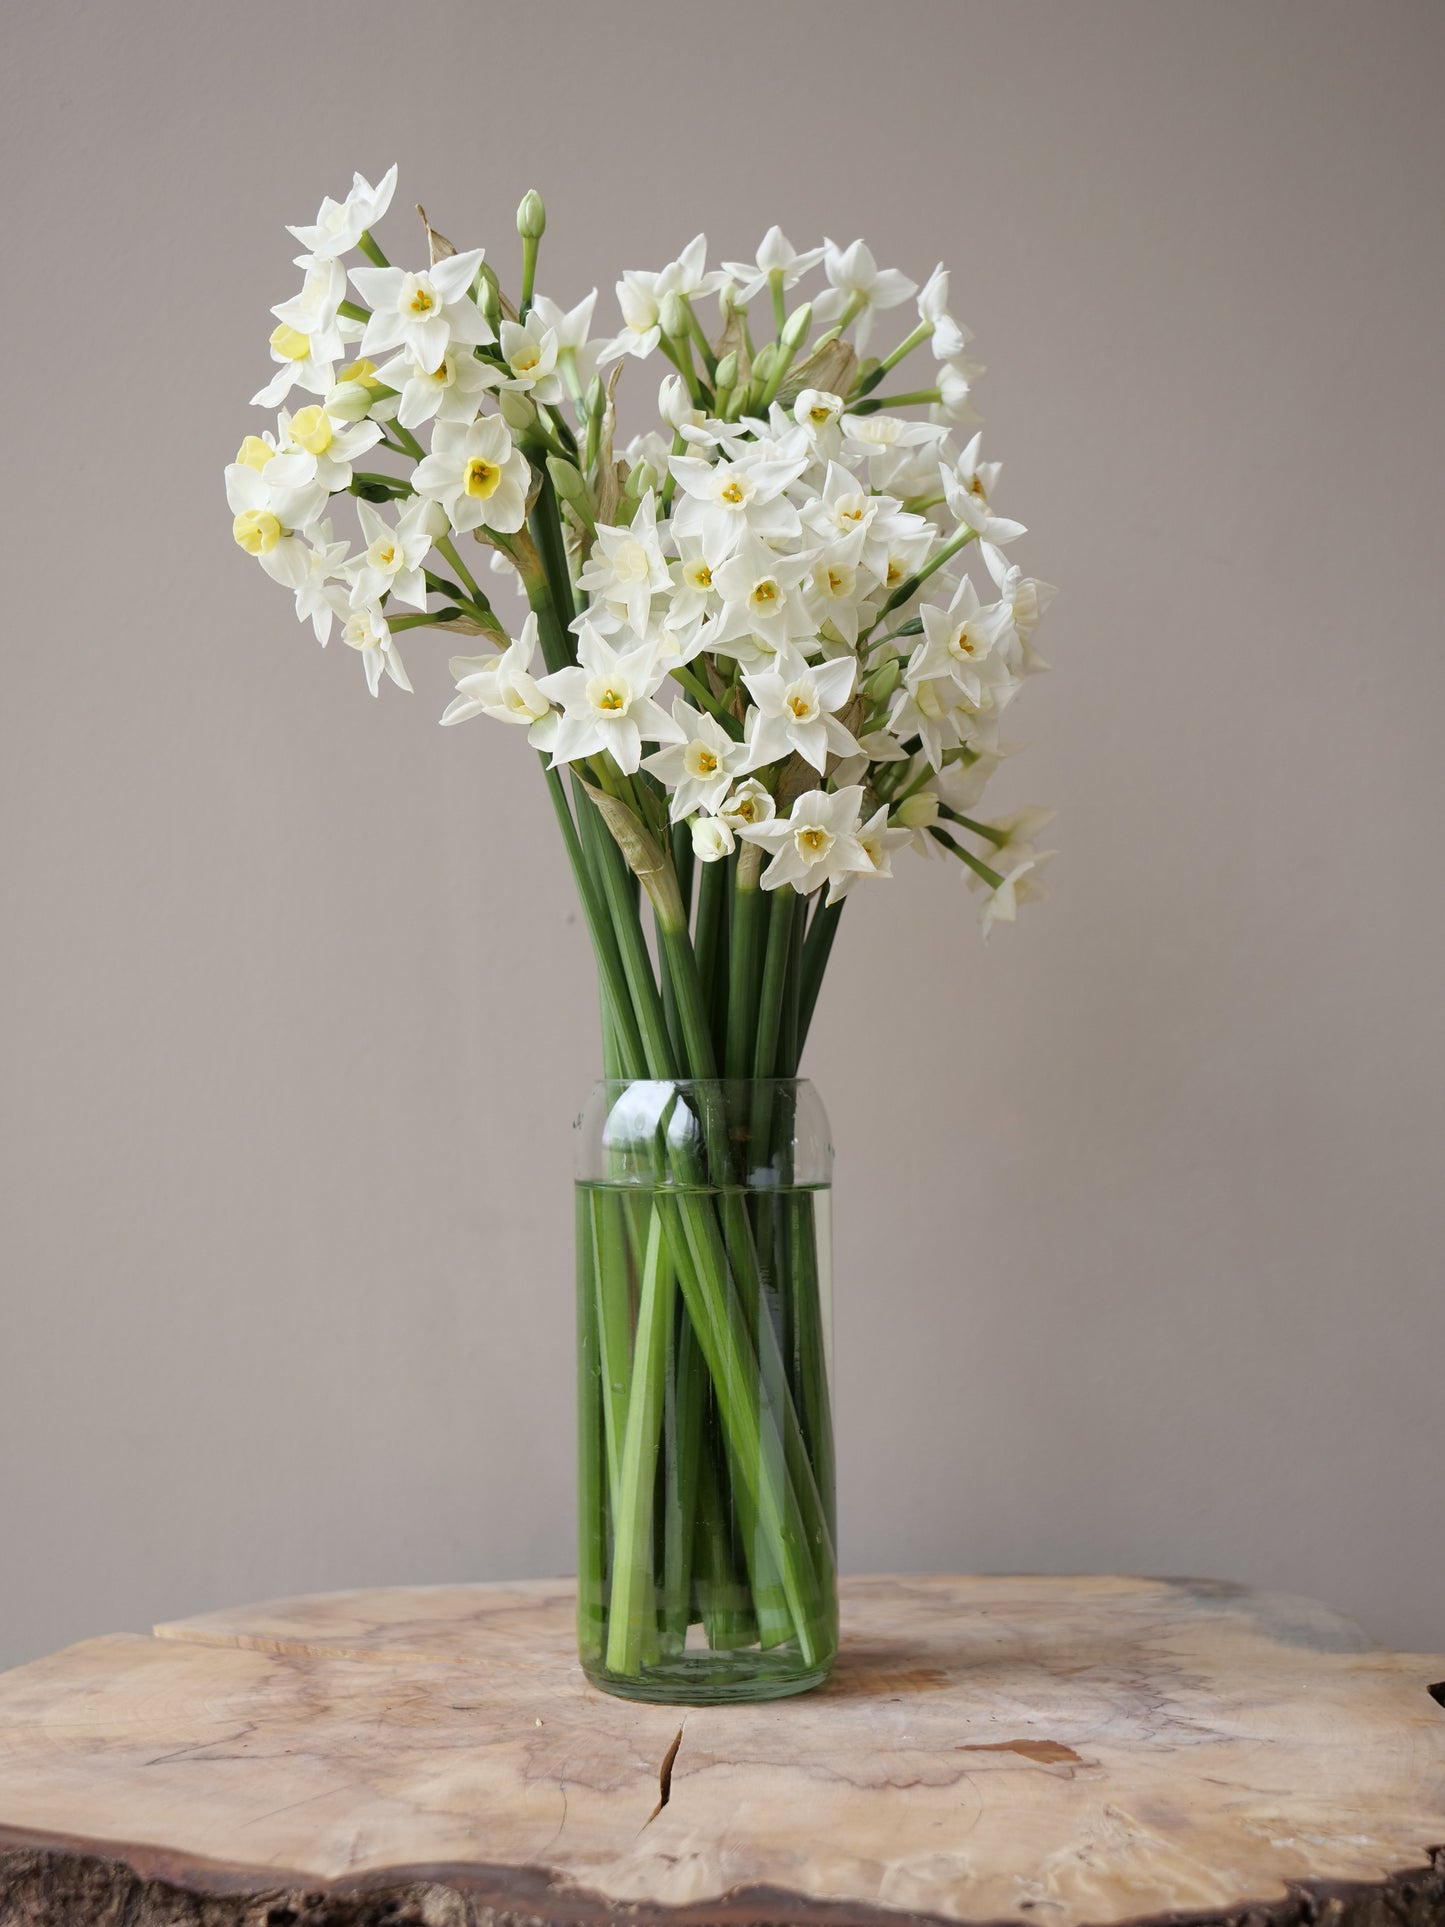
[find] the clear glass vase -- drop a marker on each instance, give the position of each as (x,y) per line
(706,1567)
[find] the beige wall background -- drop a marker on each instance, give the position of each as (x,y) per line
(1139,1209)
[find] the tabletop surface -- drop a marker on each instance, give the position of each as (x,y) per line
(1087,1750)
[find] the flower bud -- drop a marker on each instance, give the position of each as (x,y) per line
(672,317)
(531,216)
(489,297)
(884,680)
(516,411)
(674,403)
(727,372)
(569,484)
(595,399)
(795,328)
(642,478)
(917,812)
(711,839)
(764,362)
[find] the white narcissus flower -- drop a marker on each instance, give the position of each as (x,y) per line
(968,488)
(712,839)
(452,391)
(504,688)
(626,569)
(776,256)
(963,638)
(724,500)
(761,599)
(1021,883)
(794,710)
(641,293)
(1026,597)
(949,338)
(340,224)
(313,311)
(859,288)
(931,705)
(391,562)
(529,349)
(477,475)
(819,413)
(955,393)
(877,843)
(266,516)
(425,313)
(302,361)
(368,632)
(700,769)
(576,354)
(607,704)
(750,802)
(898,452)
(322,595)
(816,842)
(317,446)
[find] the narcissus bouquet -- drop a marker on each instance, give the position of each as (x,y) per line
(767,648)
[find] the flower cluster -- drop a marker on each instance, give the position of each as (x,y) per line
(753,626)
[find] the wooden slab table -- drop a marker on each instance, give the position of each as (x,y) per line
(1054,1751)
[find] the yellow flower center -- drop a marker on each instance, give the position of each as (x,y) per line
(257,531)
(611,699)
(706,763)
(701,576)
(526,361)
(254,453)
(311,430)
(289,343)
(801,706)
(382,554)
(765,592)
(482,478)
(422,301)
(819,414)
(963,642)
(836,582)
(850,515)
(895,570)
(813,842)
(746,808)
(732,492)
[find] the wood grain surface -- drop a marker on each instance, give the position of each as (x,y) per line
(1062,1751)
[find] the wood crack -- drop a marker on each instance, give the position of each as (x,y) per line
(664,1779)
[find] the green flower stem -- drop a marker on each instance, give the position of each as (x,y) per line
(614,1356)
(698,689)
(408,441)
(990,877)
(911,584)
(632,1564)
(529,275)
(870,381)
(625,1032)
(592,1510)
(744,962)
(372,252)
(703,345)
(998,838)
(710,936)
(875,402)
(817,948)
(445,546)
(370,478)
(682,1452)
(780,299)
